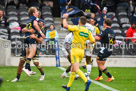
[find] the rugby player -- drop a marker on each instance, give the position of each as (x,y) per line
(66,51)
(80,35)
(31,24)
(25,53)
(89,48)
(107,39)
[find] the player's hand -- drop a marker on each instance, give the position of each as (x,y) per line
(69,2)
(98,6)
(65,15)
(32,36)
(42,35)
(32,31)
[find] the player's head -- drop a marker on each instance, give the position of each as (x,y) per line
(52,27)
(135,8)
(41,22)
(39,14)
(33,11)
(92,15)
(92,21)
(107,22)
(104,10)
(133,25)
(1,13)
(82,20)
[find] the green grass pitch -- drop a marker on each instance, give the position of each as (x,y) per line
(125,80)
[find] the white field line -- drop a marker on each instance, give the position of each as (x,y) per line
(97,83)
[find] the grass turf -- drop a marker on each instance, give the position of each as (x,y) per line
(125,80)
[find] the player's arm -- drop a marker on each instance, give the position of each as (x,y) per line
(65,24)
(39,40)
(97,38)
(91,38)
(28,30)
(35,23)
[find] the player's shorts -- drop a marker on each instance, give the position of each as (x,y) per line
(103,54)
(89,48)
(28,41)
(65,53)
(77,55)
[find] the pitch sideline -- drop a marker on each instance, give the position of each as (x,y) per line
(97,83)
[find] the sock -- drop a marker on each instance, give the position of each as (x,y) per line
(71,79)
(18,76)
(39,67)
(68,69)
(42,73)
(88,68)
(81,74)
(105,71)
(27,65)
(64,73)
(100,73)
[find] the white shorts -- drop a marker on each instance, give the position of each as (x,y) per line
(89,50)
(65,53)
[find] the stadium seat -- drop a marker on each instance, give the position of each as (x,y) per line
(46,13)
(3,30)
(48,18)
(15,38)
(23,22)
(23,13)
(115,25)
(4,37)
(124,20)
(126,26)
(12,13)
(111,14)
(119,37)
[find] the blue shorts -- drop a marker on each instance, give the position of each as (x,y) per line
(103,54)
(28,40)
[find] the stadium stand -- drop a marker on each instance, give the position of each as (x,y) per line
(121,20)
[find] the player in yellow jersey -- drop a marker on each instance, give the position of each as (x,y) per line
(80,35)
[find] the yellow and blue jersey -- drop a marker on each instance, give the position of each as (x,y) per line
(30,25)
(107,37)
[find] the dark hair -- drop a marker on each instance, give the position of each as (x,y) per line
(31,11)
(108,21)
(2,10)
(133,22)
(83,20)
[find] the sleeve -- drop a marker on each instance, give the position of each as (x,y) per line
(72,28)
(102,34)
(128,33)
(131,8)
(97,30)
(91,38)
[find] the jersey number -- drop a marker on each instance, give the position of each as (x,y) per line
(110,40)
(29,26)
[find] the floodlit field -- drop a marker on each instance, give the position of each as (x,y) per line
(125,80)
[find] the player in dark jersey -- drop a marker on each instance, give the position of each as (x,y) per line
(31,24)
(25,53)
(107,39)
